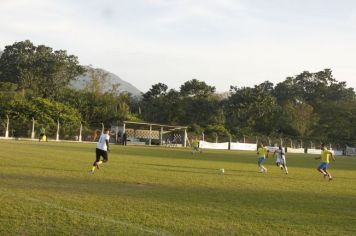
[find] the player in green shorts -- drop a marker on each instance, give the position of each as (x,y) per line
(262,153)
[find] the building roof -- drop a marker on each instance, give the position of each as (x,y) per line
(154,125)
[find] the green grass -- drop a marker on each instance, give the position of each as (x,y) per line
(46,189)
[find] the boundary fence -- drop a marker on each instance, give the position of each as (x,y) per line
(253,147)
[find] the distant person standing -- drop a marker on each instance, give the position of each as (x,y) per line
(195,145)
(262,153)
(102,149)
(324,165)
(118,138)
(42,136)
(124,139)
(281,159)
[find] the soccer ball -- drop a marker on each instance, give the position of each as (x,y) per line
(222,171)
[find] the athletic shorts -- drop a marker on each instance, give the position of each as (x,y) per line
(323,165)
(101,153)
(261,160)
(281,160)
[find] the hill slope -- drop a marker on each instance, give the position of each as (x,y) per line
(112,79)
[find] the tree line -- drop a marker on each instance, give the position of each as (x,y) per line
(34,83)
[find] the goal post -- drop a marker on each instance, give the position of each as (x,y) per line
(155,134)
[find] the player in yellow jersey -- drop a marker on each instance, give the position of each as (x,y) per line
(324,165)
(262,153)
(195,145)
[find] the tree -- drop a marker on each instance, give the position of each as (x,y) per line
(308,101)
(301,117)
(16,65)
(46,112)
(217,131)
(202,111)
(200,105)
(196,88)
(154,104)
(336,122)
(313,88)
(155,91)
(97,82)
(251,110)
(38,70)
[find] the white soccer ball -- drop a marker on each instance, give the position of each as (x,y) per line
(222,171)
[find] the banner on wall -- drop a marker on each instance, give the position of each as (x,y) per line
(243,146)
(318,152)
(295,150)
(221,146)
(350,151)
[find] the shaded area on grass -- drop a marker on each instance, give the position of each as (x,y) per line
(244,204)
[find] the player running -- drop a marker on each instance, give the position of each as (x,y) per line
(324,165)
(281,158)
(102,149)
(262,153)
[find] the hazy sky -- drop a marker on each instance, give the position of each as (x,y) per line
(222,42)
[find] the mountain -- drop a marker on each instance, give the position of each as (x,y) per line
(112,79)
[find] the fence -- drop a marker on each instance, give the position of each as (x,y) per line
(30,129)
(253,147)
(295,144)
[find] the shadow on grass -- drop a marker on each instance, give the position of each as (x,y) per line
(201,170)
(310,209)
(41,168)
(96,185)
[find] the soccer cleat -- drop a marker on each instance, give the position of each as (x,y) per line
(91,172)
(330,178)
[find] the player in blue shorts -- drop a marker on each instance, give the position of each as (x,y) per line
(324,165)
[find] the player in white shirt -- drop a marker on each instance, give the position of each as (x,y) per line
(281,159)
(102,149)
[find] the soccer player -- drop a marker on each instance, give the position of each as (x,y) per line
(281,159)
(42,135)
(324,165)
(102,149)
(195,145)
(262,153)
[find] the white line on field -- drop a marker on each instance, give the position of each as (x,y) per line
(96,216)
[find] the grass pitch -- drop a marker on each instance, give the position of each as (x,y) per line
(46,189)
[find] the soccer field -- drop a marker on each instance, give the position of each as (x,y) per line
(46,189)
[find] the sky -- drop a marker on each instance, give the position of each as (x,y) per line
(222,42)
